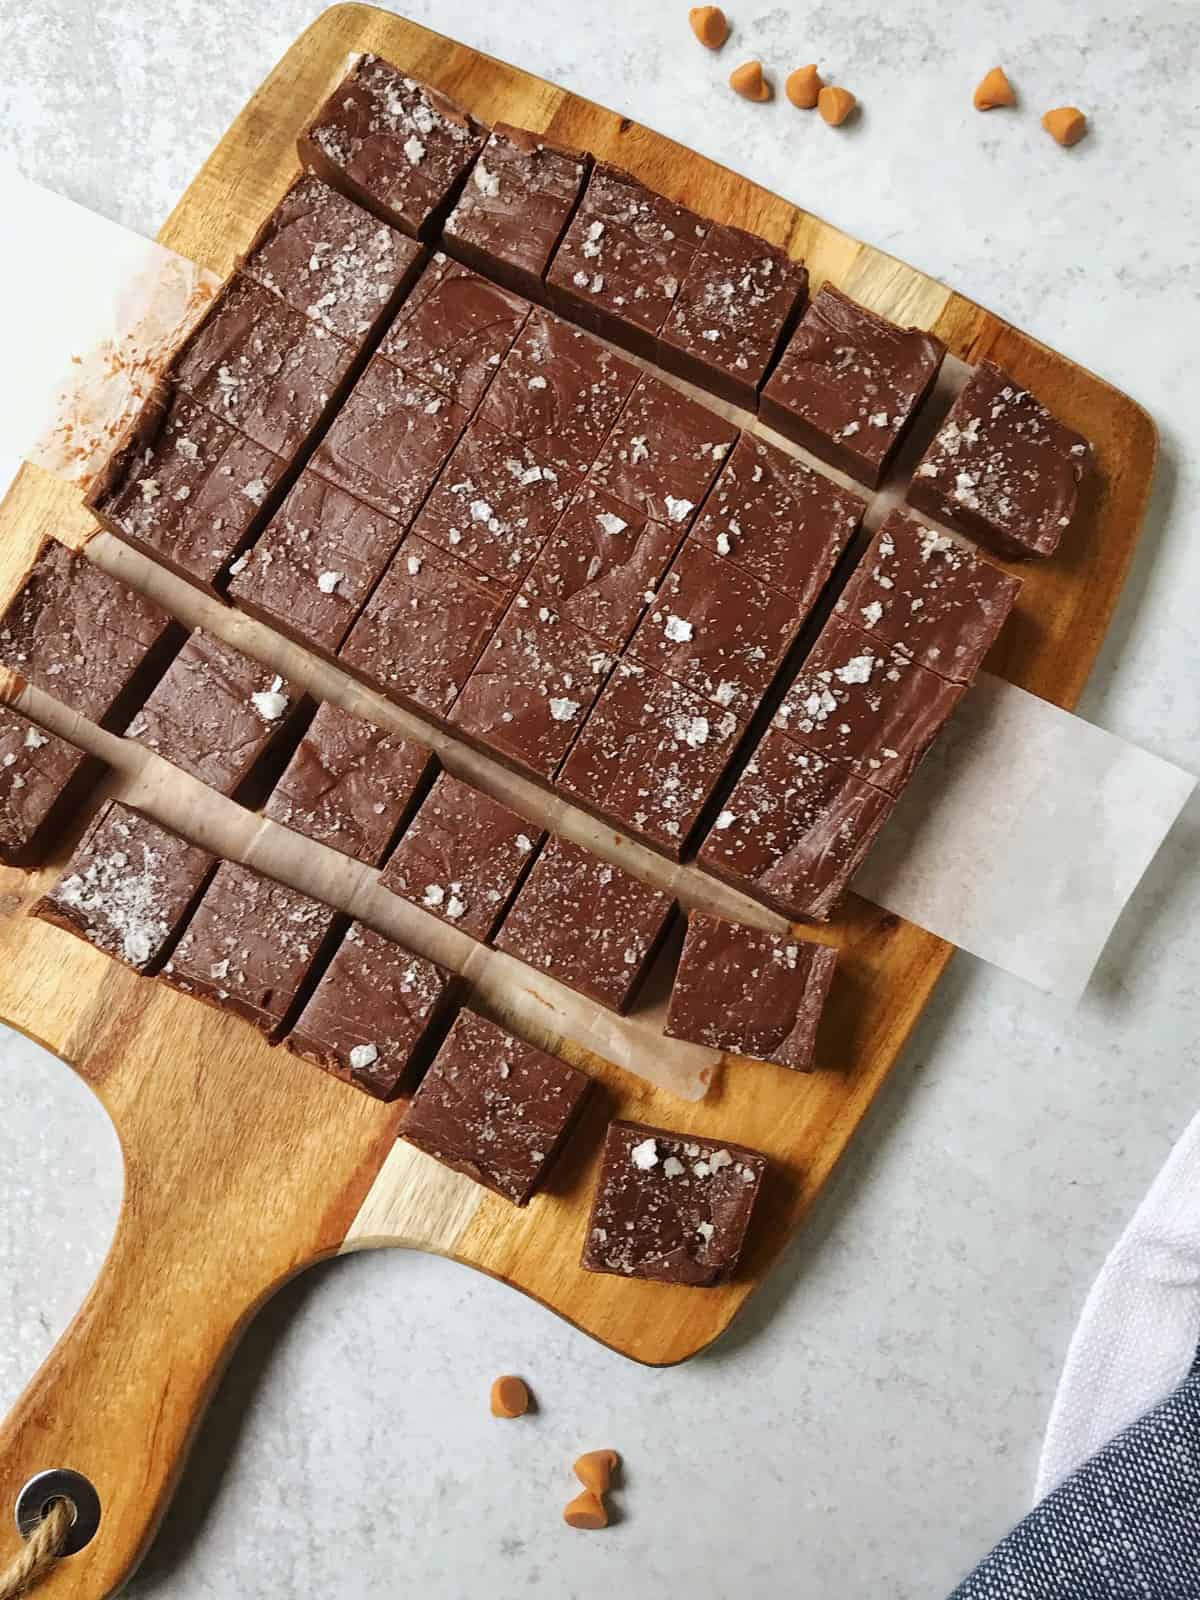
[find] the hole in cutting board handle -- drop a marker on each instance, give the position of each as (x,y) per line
(60,1483)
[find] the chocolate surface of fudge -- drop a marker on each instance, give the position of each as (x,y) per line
(216,713)
(664,453)
(560,391)
(589,924)
(251,946)
(777,519)
(41,779)
(600,564)
(350,784)
(371,1013)
(531,690)
(867,704)
(717,630)
(332,261)
(389,441)
(400,147)
(129,887)
(671,1207)
(1002,468)
(849,384)
(650,757)
(90,641)
(462,857)
(921,589)
(495,1108)
(731,313)
(795,829)
(515,206)
(314,565)
(494,505)
(423,629)
(623,258)
(454,330)
(263,368)
(751,992)
(187,489)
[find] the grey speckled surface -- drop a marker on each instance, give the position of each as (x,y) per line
(873,1422)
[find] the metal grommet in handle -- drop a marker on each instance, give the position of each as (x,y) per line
(60,1483)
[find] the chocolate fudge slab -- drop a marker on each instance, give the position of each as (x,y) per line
(454,330)
(42,779)
(187,490)
(795,829)
(372,1012)
(90,641)
(350,784)
(531,690)
(751,992)
(599,566)
(778,520)
(589,924)
(332,261)
(1003,468)
(129,887)
(731,314)
(867,704)
(315,564)
(664,453)
(560,391)
(717,630)
(671,1207)
(515,206)
(399,147)
(389,441)
(494,505)
(216,713)
(921,589)
(495,1108)
(849,384)
(622,260)
(423,630)
(263,368)
(462,857)
(650,757)
(251,946)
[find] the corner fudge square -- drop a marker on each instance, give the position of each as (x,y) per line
(42,777)
(664,453)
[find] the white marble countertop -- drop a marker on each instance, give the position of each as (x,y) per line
(872,1423)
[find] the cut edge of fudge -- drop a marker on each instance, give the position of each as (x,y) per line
(28,843)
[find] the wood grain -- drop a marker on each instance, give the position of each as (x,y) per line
(244,1165)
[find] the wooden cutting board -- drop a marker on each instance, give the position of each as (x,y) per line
(244,1165)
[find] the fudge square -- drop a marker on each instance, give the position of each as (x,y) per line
(91,642)
(868,704)
(622,260)
(42,777)
(350,784)
(129,887)
(400,147)
(591,925)
(795,829)
(462,857)
(650,757)
(370,1017)
(921,589)
(671,1207)
(664,453)
(849,384)
(515,206)
(187,490)
(1002,468)
(251,946)
(495,1108)
(750,992)
(733,310)
(216,714)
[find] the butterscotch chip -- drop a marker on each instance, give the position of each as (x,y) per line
(510,1397)
(595,1469)
(748,81)
(835,104)
(803,87)
(586,1511)
(1067,124)
(995,90)
(709,25)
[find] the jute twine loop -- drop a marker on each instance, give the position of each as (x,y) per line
(39,1552)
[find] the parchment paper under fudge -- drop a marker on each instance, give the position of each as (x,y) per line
(42,779)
